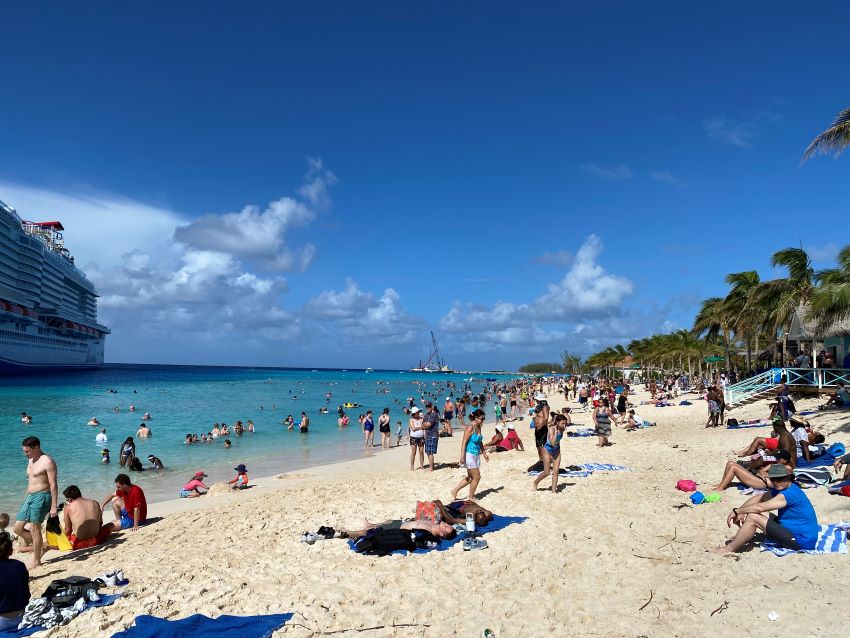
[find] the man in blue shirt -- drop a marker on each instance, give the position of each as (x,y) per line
(794,526)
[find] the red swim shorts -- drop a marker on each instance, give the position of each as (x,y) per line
(102,534)
(771,444)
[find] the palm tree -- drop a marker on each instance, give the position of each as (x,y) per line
(833,140)
(715,317)
(781,298)
(831,299)
(748,312)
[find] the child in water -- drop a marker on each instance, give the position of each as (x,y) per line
(104,456)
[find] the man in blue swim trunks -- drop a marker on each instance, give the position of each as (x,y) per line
(130,506)
(42,497)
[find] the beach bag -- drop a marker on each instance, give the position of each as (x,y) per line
(812,476)
(382,542)
(732,422)
(427,511)
(686,485)
(64,592)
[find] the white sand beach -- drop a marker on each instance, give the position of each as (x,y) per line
(610,555)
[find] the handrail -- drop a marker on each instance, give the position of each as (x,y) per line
(810,377)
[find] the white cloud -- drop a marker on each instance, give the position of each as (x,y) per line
(559,258)
(614,173)
(668,178)
(586,296)
(738,133)
(355,314)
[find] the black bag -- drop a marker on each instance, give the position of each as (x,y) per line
(731,421)
(382,542)
(64,592)
(53,525)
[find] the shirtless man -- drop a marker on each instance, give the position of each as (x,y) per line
(440,530)
(783,440)
(42,497)
(144,431)
(83,520)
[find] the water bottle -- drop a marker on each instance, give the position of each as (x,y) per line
(470,523)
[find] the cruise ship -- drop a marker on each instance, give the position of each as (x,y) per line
(48,308)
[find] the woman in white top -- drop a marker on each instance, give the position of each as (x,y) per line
(417,437)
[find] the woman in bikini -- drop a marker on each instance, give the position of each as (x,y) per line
(551,452)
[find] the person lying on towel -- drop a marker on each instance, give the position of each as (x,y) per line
(794,526)
(440,530)
(454,513)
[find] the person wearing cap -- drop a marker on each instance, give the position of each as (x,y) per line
(510,442)
(240,482)
(192,488)
(431,424)
(755,477)
(416,435)
(795,524)
(448,410)
(498,437)
(156,464)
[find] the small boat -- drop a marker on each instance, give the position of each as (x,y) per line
(370,369)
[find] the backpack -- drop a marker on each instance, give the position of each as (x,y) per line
(732,422)
(812,476)
(64,592)
(382,542)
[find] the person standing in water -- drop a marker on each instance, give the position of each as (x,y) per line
(305,423)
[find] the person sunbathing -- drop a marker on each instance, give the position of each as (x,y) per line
(440,530)
(794,527)
(754,477)
(782,440)
(455,512)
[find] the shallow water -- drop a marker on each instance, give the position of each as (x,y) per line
(189,399)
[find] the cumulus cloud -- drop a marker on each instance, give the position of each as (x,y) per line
(586,296)
(559,258)
(355,314)
(258,235)
(616,173)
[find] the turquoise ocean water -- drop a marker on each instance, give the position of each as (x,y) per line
(190,399)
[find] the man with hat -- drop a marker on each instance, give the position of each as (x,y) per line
(192,488)
(511,441)
(795,524)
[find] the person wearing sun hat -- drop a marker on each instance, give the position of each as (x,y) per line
(241,480)
(191,489)
(795,524)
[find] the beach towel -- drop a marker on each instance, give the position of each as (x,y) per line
(836,488)
(105,599)
(199,626)
(824,460)
(604,467)
(582,432)
(563,472)
(497,524)
(832,539)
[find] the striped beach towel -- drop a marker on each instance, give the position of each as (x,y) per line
(832,539)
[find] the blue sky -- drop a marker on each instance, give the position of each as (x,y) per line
(321,185)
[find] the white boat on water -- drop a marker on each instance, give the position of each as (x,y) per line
(370,369)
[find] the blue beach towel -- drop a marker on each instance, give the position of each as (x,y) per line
(199,626)
(824,460)
(604,467)
(105,599)
(497,524)
(832,539)
(582,432)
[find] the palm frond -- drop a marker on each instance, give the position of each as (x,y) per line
(833,140)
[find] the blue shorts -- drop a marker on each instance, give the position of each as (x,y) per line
(35,508)
(431,444)
(127,520)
